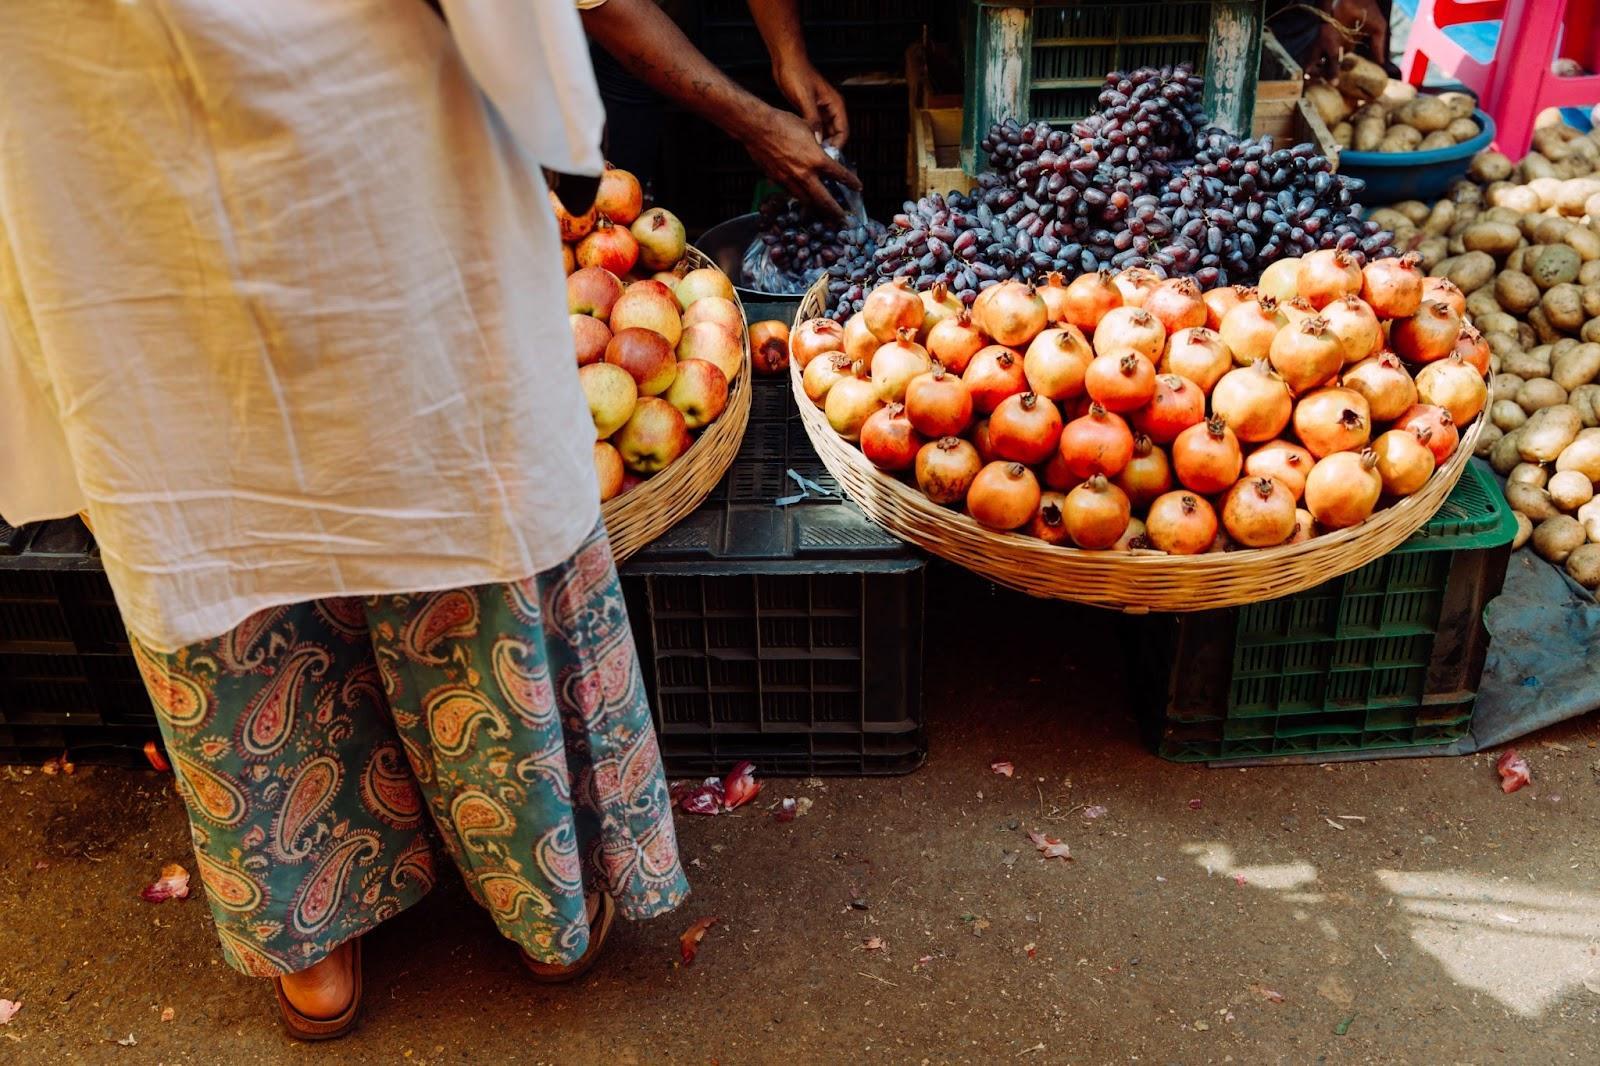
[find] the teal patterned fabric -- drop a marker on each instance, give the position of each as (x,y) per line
(325,749)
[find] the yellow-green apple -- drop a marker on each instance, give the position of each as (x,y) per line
(700,391)
(661,238)
(714,344)
(611,393)
(706,281)
(647,309)
(718,309)
(646,355)
(608,467)
(654,437)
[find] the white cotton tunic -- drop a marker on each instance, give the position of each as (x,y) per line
(281,295)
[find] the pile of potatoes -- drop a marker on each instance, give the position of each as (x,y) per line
(1523,243)
(1368,112)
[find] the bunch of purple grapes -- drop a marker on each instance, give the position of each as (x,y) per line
(800,245)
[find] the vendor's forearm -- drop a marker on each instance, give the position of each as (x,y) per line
(649,44)
(779,24)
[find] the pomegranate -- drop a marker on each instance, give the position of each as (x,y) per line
(1176,404)
(1254,401)
(1473,348)
(1013,315)
(1220,301)
(822,374)
(1393,287)
(1282,461)
(945,469)
(1199,355)
(1248,329)
(1258,512)
(1405,462)
(1181,523)
(938,304)
(1455,385)
(1049,523)
(896,363)
(1306,355)
(814,337)
(1206,457)
(1443,436)
(1003,496)
(1056,361)
(994,373)
(1332,420)
(1296,310)
(1147,475)
(1025,429)
(1057,476)
(1281,280)
(860,343)
(1305,527)
(610,246)
(1384,383)
(980,441)
(1443,290)
(1089,297)
(1355,326)
(1120,383)
(1326,275)
(1176,304)
(850,403)
(1130,329)
(938,403)
(1096,443)
(661,239)
(769,346)
(1132,538)
(888,439)
(1097,513)
(1135,285)
(1343,488)
(1428,335)
(619,197)
(955,341)
(979,302)
(1054,294)
(890,308)
(573,227)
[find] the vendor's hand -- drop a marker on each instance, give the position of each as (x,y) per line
(818,101)
(1366,15)
(783,145)
(1322,61)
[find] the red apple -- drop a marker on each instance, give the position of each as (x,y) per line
(661,238)
(608,467)
(718,309)
(700,391)
(619,197)
(651,285)
(593,290)
(630,481)
(612,395)
(573,227)
(609,246)
(654,437)
(646,355)
(706,281)
(646,309)
(589,337)
(714,344)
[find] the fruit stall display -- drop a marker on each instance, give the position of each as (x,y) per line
(663,357)
(1136,442)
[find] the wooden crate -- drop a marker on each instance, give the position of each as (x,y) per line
(1294,125)
(1279,91)
(933,162)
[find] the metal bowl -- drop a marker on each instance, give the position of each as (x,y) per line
(726,243)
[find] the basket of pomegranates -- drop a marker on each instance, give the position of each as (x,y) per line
(1137,443)
(663,358)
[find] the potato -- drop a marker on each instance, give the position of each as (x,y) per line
(1563,307)
(1574,194)
(1462,129)
(1488,437)
(1530,500)
(1514,291)
(1516,197)
(1556,265)
(1589,273)
(1505,457)
(1440,219)
(1473,270)
(1507,415)
(1414,211)
(1493,323)
(1585,399)
(1432,250)
(1481,303)
(1343,134)
(1529,474)
(1329,102)
(1529,222)
(1581,457)
(1550,229)
(1562,347)
(1455,245)
(1461,105)
(1576,367)
(1526,335)
(1591,330)
(1530,363)
(1496,238)
(1584,241)
(1524,530)
(1590,299)
(1542,328)
(1369,136)
(1436,139)
(1361,77)
(1589,516)
(1549,143)
(1396,93)
(1548,432)
(1391,219)
(1489,165)
(1583,565)
(1504,387)
(1425,113)
(1558,537)
(1537,394)
(1515,261)
(1535,166)
(1570,489)
(1464,192)
(1547,189)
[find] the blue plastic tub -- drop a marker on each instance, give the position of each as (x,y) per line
(1395,176)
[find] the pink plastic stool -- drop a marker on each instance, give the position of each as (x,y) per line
(1517,83)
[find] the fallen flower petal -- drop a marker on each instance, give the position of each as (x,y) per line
(156,757)
(1513,770)
(740,786)
(1096,811)
(1239,879)
(689,942)
(8,1010)
(1050,847)
(874,943)
(167,1014)
(703,799)
(1003,767)
(172,884)
(1194,805)
(1267,994)
(128,1041)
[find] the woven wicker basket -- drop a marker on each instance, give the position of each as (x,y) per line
(636,518)
(1136,582)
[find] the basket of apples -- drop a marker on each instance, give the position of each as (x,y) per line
(663,358)
(1136,443)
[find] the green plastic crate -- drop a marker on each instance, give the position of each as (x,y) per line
(1385,657)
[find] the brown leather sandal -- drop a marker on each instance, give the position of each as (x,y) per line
(599,928)
(302,1027)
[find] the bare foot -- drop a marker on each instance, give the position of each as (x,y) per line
(324,989)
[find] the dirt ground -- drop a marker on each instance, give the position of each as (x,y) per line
(1402,911)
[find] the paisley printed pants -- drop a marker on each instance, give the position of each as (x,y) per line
(324,749)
